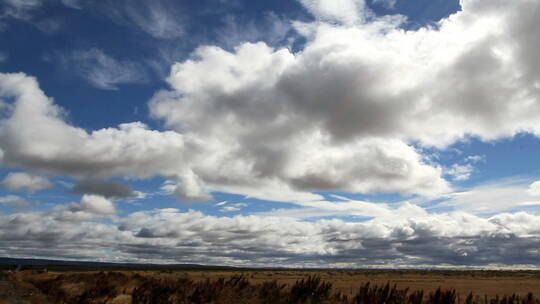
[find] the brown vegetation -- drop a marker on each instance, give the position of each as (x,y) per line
(136,288)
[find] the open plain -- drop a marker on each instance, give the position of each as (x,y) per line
(124,285)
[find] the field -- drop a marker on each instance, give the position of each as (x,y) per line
(122,286)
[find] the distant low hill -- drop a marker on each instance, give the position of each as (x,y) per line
(8,263)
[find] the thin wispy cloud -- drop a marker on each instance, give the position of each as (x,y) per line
(102,70)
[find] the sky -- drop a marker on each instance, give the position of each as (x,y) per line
(293,133)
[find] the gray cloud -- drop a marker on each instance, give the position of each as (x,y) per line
(103,188)
(453,239)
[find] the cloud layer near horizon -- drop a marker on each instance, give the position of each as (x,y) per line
(168,235)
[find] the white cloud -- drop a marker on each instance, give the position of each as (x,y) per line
(346,11)
(534,189)
(230,107)
(232,207)
(191,189)
(493,198)
(90,207)
(59,148)
(21,181)
(339,115)
(475,158)
(415,238)
(201,164)
(460,172)
(93,204)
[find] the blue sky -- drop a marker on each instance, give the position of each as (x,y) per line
(290,133)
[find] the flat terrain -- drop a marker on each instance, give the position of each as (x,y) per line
(30,286)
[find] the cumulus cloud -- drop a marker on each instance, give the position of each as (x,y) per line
(359,93)
(191,189)
(343,114)
(460,172)
(534,188)
(421,85)
(22,181)
(91,207)
(103,188)
(93,204)
(102,70)
(169,235)
(252,120)
(269,170)
(59,148)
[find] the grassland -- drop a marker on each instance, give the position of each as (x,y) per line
(176,284)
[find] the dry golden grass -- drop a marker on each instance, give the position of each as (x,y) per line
(29,286)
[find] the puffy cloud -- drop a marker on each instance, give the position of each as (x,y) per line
(59,148)
(21,181)
(241,111)
(168,235)
(343,114)
(93,204)
(375,79)
(271,169)
(191,189)
(102,70)
(460,172)
(103,188)
(90,207)
(534,189)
